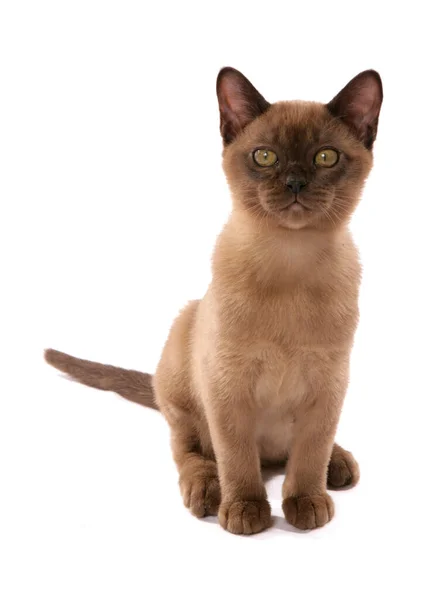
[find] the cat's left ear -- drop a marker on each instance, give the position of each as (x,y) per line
(358,105)
(239,102)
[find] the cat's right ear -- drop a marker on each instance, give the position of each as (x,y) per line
(239,103)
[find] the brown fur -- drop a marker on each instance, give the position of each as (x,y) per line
(256,372)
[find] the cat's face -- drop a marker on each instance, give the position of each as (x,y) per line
(298,164)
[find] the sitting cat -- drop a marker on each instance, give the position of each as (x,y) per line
(256,372)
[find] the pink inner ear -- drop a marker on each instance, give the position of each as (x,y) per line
(358,105)
(233,103)
(366,102)
(239,102)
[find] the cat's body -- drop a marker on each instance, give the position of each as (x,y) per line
(256,372)
(280,341)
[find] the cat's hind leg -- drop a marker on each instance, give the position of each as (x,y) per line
(343,470)
(198,476)
(190,439)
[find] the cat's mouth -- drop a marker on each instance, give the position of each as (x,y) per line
(296,206)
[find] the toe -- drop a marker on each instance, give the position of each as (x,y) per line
(197,499)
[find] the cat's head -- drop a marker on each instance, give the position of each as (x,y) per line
(298,164)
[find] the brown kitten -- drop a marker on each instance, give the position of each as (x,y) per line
(256,372)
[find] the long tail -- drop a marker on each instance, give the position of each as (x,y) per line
(132,385)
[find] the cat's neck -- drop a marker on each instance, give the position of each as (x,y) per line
(269,255)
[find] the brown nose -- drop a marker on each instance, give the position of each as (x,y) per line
(295,185)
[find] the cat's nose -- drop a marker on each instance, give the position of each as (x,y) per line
(295,184)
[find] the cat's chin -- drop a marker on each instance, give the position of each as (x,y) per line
(293,225)
(296,216)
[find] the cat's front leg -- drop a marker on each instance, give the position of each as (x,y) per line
(244,507)
(306,503)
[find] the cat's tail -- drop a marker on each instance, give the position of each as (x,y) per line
(132,385)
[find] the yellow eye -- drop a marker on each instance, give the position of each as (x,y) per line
(328,157)
(265,158)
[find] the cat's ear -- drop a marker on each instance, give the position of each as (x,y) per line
(239,102)
(358,105)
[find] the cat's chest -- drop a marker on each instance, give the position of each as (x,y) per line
(305,316)
(298,343)
(281,377)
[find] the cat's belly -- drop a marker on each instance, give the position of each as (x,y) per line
(287,382)
(274,436)
(279,391)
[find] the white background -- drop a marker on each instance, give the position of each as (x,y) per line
(112,195)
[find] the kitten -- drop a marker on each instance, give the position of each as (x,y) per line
(256,372)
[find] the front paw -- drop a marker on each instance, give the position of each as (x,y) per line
(245,516)
(308,512)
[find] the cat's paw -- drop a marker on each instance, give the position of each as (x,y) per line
(343,470)
(308,512)
(200,491)
(245,516)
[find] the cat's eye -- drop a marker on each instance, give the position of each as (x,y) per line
(264,158)
(327,157)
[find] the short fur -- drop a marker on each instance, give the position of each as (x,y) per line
(256,372)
